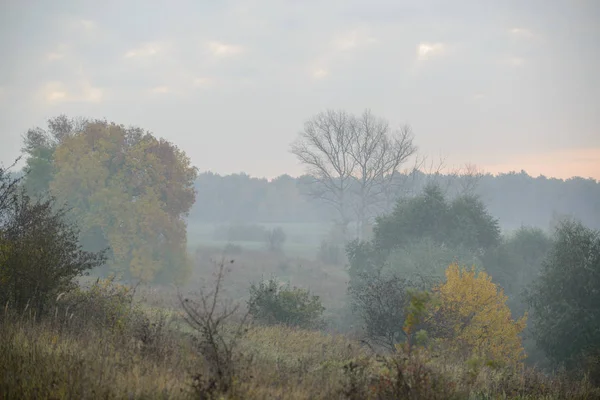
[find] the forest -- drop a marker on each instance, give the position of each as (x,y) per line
(379,274)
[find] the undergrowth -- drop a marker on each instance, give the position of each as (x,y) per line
(100,343)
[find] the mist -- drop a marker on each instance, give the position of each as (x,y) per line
(316,200)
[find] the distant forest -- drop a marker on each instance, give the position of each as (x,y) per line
(516,199)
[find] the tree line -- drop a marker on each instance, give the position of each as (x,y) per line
(516,198)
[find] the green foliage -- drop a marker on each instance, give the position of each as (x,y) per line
(464,222)
(565,299)
(273,303)
(127,189)
(424,234)
(425,261)
(516,262)
(40,254)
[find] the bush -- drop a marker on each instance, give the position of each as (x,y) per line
(381,303)
(217,339)
(40,254)
(272,303)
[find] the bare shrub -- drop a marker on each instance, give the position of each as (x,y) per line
(218,337)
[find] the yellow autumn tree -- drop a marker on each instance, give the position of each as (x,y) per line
(128,190)
(471,314)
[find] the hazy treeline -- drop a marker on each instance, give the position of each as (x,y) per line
(514,198)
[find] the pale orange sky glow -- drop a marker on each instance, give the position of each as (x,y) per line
(559,164)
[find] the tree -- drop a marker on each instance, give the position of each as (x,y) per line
(464,222)
(516,262)
(378,152)
(129,189)
(39,145)
(352,160)
(40,254)
(275,239)
(565,299)
(472,315)
(324,147)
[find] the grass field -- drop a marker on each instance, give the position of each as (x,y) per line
(302,239)
(110,350)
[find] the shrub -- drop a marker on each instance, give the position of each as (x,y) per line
(218,339)
(273,303)
(104,305)
(381,302)
(40,254)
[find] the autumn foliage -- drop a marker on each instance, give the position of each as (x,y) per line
(128,190)
(471,316)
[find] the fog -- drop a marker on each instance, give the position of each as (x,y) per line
(393,178)
(507,86)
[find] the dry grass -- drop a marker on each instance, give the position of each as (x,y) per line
(150,355)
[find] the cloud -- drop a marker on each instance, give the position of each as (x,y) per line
(147,50)
(353,39)
(515,61)
(54,92)
(163,89)
(201,82)
(426,51)
(58,53)
(320,73)
(521,33)
(91,93)
(87,24)
(53,56)
(220,49)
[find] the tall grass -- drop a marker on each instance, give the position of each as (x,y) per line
(100,343)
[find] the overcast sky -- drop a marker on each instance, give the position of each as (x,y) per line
(507,85)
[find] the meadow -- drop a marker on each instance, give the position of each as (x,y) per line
(111,342)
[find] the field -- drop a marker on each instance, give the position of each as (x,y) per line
(113,348)
(113,341)
(303,239)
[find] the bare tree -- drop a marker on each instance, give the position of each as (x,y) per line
(324,147)
(469,178)
(353,161)
(378,152)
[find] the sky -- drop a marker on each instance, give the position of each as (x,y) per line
(505,85)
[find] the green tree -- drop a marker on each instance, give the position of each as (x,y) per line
(565,300)
(462,222)
(425,233)
(516,261)
(129,189)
